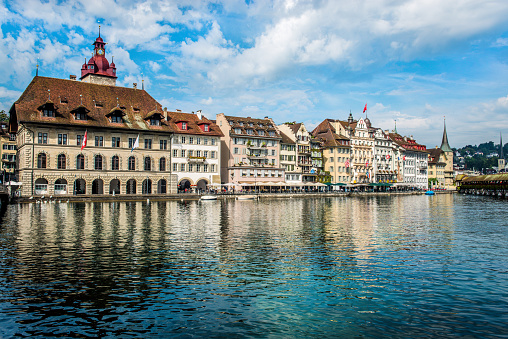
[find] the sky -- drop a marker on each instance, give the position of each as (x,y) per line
(416,62)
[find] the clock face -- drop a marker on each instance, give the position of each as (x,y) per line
(100,51)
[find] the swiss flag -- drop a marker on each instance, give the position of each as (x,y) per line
(83,143)
(365,108)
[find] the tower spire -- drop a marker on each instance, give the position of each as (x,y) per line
(501,154)
(395,126)
(445,147)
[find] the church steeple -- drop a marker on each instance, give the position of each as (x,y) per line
(501,163)
(98,69)
(445,147)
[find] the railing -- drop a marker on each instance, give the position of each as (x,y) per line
(196,159)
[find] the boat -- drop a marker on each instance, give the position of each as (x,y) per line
(208,197)
(246,197)
(429,193)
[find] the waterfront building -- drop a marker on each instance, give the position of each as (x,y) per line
(195,151)
(91,136)
(249,150)
(413,161)
(7,153)
(436,171)
(303,170)
(288,158)
(448,159)
(362,151)
(385,160)
(336,150)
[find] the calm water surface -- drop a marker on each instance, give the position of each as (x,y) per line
(373,267)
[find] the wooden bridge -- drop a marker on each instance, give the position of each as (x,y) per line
(492,184)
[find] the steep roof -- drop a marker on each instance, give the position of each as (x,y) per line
(444,144)
(332,139)
(98,101)
(435,156)
(407,143)
(254,124)
(286,139)
(193,121)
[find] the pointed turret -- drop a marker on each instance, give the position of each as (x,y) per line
(445,147)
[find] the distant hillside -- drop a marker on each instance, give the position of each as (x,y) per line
(481,157)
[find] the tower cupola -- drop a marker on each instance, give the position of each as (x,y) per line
(98,69)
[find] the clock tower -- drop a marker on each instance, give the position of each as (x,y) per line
(98,70)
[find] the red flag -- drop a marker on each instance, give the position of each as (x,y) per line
(83,143)
(347,163)
(365,108)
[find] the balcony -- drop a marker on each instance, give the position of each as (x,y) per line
(196,159)
(261,147)
(256,156)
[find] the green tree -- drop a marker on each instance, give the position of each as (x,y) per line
(4,116)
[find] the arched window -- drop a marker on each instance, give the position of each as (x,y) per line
(148,164)
(115,163)
(80,161)
(162,164)
(62,161)
(132,163)
(98,162)
(41,160)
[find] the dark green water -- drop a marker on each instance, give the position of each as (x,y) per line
(374,267)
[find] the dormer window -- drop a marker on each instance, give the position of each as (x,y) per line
(81,116)
(48,112)
(116,119)
(206,128)
(184,125)
(238,131)
(261,132)
(240,123)
(155,122)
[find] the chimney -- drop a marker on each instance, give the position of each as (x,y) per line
(200,116)
(165,113)
(72,77)
(178,110)
(135,85)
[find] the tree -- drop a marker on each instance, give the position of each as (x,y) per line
(4,116)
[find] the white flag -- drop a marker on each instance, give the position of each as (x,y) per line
(136,144)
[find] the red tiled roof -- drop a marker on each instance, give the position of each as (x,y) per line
(193,123)
(67,96)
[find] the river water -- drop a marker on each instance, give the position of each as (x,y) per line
(365,267)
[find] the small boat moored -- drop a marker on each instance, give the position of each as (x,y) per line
(208,197)
(246,197)
(429,193)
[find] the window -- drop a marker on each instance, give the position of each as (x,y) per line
(41,160)
(61,163)
(183,140)
(198,167)
(198,153)
(191,168)
(43,138)
(191,153)
(205,141)
(81,116)
(213,167)
(116,119)
(148,143)
(99,141)
(163,144)
(273,152)
(191,140)
(198,141)
(213,141)
(98,162)
(148,164)
(175,167)
(62,139)
(213,154)
(162,164)
(238,131)
(48,112)
(184,125)
(207,128)
(131,142)
(132,163)
(205,168)
(182,167)
(205,154)
(235,150)
(115,163)
(80,161)
(115,142)
(155,122)
(183,153)
(175,153)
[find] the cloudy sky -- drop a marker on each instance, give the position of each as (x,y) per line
(410,61)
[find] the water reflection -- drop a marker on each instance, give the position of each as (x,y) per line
(373,267)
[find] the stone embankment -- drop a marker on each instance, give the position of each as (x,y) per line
(193,196)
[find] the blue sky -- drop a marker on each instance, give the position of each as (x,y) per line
(411,61)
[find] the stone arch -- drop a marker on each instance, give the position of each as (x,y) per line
(114,187)
(146,187)
(201,184)
(60,186)
(130,186)
(184,185)
(162,186)
(41,186)
(98,186)
(79,186)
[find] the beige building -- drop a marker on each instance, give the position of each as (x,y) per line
(76,137)
(8,154)
(249,150)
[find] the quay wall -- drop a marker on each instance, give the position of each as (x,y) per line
(192,196)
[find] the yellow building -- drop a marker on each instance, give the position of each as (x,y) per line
(8,154)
